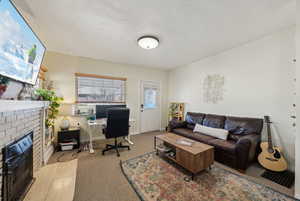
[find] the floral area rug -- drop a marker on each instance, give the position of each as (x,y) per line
(156,179)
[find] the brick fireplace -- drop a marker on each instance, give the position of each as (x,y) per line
(18,118)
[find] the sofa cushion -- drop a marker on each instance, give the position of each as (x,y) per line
(193,118)
(224,145)
(175,123)
(214,121)
(234,137)
(203,138)
(195,136)
(190,126)
(214,132)
(183,132)
(243,126)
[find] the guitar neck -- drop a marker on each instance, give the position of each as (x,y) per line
(267,120)
(270,143)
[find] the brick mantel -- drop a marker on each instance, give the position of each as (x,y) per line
(13,105)
(18,118)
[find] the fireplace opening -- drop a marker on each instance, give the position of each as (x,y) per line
(17,168)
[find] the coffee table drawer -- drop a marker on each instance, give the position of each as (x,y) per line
(195,163)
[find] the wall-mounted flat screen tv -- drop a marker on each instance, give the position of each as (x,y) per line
(21,51)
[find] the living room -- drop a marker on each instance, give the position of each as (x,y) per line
(149,100)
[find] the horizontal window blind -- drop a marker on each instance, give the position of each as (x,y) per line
(100,89)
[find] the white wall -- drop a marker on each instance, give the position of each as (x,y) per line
(297,185)
(258,81)
(63,67)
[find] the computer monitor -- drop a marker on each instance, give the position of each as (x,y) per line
(101,110)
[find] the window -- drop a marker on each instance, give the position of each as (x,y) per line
(150,94)
(150,98)
(99,89)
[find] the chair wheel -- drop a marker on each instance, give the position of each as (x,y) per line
(103,153)
(118,155)
(128,148)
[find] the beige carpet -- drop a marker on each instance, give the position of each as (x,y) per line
(99,178)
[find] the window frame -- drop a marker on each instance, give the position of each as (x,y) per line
(100,77)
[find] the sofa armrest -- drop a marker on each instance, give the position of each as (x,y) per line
(174,123)
(246,149)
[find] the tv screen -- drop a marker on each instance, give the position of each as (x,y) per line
(21,51)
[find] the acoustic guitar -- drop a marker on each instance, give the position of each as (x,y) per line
(271,157)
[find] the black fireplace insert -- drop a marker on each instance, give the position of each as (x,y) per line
(17,168)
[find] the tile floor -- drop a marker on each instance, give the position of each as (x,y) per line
(54,182)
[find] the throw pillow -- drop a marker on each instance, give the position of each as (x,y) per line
(214,132)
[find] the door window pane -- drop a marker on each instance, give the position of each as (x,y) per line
(150,95)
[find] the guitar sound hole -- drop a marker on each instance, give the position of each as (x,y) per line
(277,154)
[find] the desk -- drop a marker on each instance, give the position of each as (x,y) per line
(99,124)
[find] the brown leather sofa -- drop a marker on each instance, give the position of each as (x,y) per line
(241,146)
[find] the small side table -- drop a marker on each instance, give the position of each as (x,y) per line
(70,134)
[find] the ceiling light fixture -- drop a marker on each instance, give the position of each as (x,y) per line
(148,42)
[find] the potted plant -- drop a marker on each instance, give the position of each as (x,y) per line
(49,95)
(3,84)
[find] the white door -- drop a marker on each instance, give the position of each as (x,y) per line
(150,106)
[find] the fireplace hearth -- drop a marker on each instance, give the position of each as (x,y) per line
(17,168)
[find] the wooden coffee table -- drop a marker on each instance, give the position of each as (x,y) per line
(194,158)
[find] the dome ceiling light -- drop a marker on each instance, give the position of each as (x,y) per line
(148,42)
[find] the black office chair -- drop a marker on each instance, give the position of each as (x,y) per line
(117,126)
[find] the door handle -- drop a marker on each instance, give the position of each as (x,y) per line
(142,107)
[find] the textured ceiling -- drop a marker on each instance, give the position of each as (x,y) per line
(188,29)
